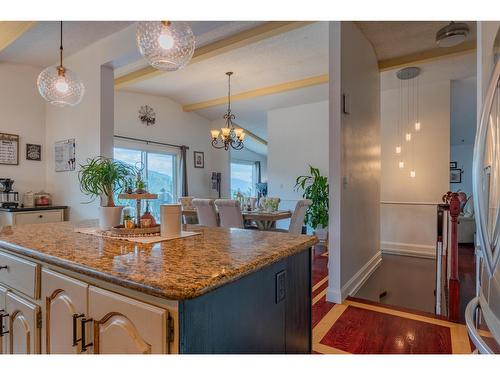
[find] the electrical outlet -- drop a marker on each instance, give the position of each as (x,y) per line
(280,286)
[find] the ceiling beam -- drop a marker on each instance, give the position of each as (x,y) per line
(250,134)
(12,30)
(269,90)
(426,56)
(241,39)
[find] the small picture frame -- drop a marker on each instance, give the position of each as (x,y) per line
(33,152)
(199,159)
(453,165)
(455,175)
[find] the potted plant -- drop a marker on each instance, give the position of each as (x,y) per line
(101,178)
(315,187)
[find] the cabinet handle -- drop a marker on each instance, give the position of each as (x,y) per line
(75,318)
(84,343)
(2,315)
(40,216)
(4,267)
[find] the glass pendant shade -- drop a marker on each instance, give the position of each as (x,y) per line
(417,126)
(408,137)
(412,174)
(401,164)
(60,87)
(398,149)
(165,45)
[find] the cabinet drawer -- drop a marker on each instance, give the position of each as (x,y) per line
(20,274)
(49,216)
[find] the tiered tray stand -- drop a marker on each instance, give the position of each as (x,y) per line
(138,198)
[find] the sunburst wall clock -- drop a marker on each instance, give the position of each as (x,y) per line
(147,115)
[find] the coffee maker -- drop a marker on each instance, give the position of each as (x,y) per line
(8,197)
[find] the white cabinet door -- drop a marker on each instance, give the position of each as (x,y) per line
(63,297)
(3,321)
(24,327)
(122,325)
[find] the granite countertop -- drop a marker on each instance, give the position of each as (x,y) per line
(177,269)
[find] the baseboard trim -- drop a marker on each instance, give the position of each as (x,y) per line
(355,282)
(408,249)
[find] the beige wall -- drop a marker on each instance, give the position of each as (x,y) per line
(354,161)
(23,113)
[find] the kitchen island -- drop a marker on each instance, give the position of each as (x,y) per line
(221,291)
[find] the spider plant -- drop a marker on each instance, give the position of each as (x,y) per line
(103,177)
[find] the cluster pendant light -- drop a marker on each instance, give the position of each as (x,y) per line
(409,118)
(166,45)
(228,136)
(59,85)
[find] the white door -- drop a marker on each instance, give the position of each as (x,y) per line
(24,327)
(3,321)
(64,297)
(126,326)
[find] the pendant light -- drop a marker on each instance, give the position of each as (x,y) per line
(166,45)
(59,85)
(229,135)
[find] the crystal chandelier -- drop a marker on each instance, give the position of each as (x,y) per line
(165,45)
(229,135)
(59,85)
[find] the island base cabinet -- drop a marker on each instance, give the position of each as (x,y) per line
(122,325)
(3,321)
(64,298)
(24,325)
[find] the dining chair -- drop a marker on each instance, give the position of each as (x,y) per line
(297,220)
(187,204)
(264,200)
(229,213)
(205,209)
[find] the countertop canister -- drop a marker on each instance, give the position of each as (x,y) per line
(170,220)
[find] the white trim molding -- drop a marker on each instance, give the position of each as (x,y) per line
(408,249)
(356,282)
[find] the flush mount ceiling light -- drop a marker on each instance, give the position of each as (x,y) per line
(166,45)
(452,34)
(59,85)
(229,135)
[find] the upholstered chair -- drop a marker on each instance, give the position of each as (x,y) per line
(207,215)
(187,204)
(297,220)
(229,213)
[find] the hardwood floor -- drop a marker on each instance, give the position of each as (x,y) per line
(361,327)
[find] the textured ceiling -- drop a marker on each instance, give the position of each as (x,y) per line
(39,46)
(294,55)
(392,39)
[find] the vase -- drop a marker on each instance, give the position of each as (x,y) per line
(109,217)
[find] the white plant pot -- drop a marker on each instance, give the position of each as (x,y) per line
(321,233)
(109,217)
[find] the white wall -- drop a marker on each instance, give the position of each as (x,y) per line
(23,113)
(354,144)
(411,228)
(297,137)
(174,126)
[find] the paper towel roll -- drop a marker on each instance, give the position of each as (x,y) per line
(170,220)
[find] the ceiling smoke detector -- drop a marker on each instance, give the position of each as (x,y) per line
(452,35)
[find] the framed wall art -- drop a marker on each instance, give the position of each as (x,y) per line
(33,152)
(65,157)
(9,149)
(199,159)
(455,175)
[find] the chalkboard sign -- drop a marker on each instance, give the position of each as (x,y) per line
(9,149)
(65,155)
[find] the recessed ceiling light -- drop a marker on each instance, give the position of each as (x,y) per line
(452,34)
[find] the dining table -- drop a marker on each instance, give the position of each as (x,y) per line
(264,220)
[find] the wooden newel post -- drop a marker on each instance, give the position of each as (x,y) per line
(454,282)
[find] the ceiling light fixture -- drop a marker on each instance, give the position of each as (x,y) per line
(166,45)
(452,34)
(229,135)
(59,85)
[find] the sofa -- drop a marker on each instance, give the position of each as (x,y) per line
(467,223)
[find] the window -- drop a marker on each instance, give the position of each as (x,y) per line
(243,178)
(160,174)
